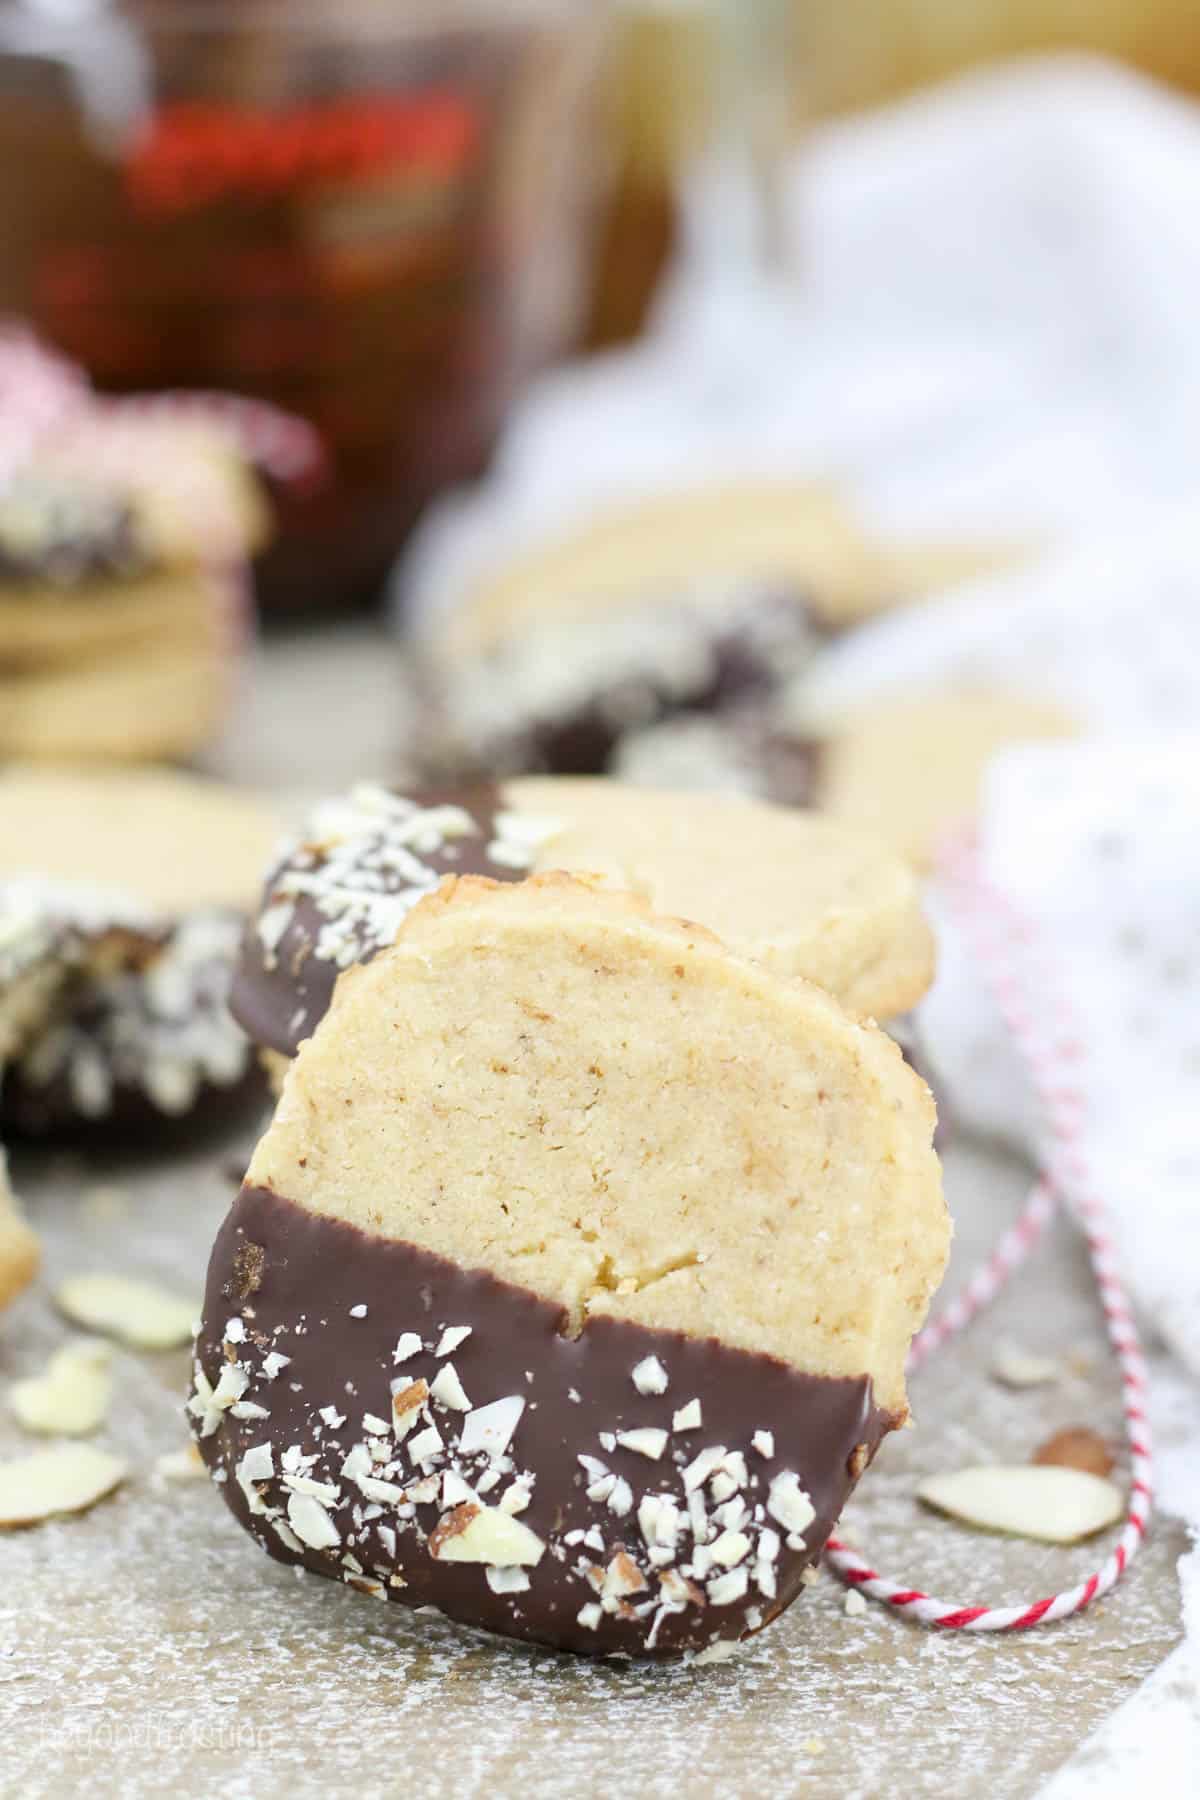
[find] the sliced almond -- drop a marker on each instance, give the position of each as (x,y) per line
(139,1313)
(179,1465)
(447,1390)
(408,1397)
(622,1577)
(1049,1504)
(485,1534)
(678,1591)
(1078,1447)
(67,1478)
(646,1440)
(311,1523)
(1018,1368)
(72,1394)
(788,1502)
(490,1428)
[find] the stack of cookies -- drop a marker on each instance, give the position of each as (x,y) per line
(124,543)
(570,1289)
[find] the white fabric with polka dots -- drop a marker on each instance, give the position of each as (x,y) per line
(1098,844)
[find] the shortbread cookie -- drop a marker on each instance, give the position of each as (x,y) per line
(141,703)
(140,1045)
(116,955)
(123,541)
(742,751)
(571,1287)
(695,601)
(51,932)
(562,696)
(20,1252)
(906,768)
(801,895)
(168,840)
(796,537)
(909,768)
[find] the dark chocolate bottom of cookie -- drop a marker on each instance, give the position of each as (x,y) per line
(587,740)
(279,998)
(325,1322)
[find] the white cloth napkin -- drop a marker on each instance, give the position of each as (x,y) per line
(992,329)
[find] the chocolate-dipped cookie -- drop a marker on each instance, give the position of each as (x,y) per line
(561,698)
(55,932)
(697,600)
(140,1045)
(116,956)
(123,540)
(802,895)
(571,1286)
(164,840)
(745,750)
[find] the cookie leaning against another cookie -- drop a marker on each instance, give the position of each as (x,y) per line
(792,890)
(571,1287)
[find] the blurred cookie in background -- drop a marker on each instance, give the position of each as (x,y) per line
(122,897)
(746,750)
(692,602)
(147,1045)
(795,892)
(125,539)
(909,768)
(904,768)
(561,697)
(169,839)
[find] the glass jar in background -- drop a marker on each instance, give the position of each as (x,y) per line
(376,217)
(698,93)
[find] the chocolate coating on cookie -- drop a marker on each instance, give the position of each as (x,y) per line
(51,932)
(742,751)
(339,896)
(133,1046)
(561,699)
(429,1434)
(56,534)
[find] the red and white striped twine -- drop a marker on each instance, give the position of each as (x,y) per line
(1049,1046)
(1003,1261)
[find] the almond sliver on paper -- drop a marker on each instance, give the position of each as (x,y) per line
(66,1479)
(1050,1504)
(139,1313)
(71,1396)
